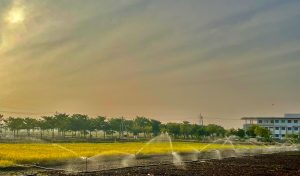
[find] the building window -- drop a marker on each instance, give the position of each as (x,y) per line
(277,135)
(289,128)
(283,135)
(289,121)
(282,128)
(259,121)
(282,121)
(276,128)
(296,128)
(295,121)
(276,121)
(272,121)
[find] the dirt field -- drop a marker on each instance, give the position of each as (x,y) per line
(287,163)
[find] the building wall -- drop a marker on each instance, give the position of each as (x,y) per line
(279,127)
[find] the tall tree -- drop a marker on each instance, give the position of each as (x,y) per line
(185,129)
(142,122)
(155,124)
(62,122)
(173,129)
(199,131)
(116,125)
(217,130)
(239,132)
(1,124)
(30,124)
(15,124)
(263,132)
(98,123)
(49,123)
(106,129)
(251,131)
(80,122)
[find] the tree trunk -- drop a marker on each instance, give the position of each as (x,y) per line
(53,133)
(41,134)
(28,132)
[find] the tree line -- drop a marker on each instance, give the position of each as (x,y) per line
(80,125)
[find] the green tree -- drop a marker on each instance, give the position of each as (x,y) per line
(256,130)
(80,122)
(128,126)
(48,123)
(231,131)
(251,131)
(217,130)
(240,133)
(62,122)
(199,131)
(136,129)
(42,125)
(155,124)
(262,132)
(29,124)
(98,123)
(115,124)
(293,138)
(173,129)
(185,129)
(163,128)
(1,124)
(15,124)
(142,123)
(106,129)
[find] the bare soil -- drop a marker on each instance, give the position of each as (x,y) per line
(287,163)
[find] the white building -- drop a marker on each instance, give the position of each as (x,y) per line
(279,126)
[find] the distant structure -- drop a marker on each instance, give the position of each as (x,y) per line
(122,127)
(1,124)
(279,127)
(201,120)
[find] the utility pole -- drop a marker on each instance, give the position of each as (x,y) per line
(1,124)
(122,127)
(201,119)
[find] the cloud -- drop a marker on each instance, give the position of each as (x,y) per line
(150,56)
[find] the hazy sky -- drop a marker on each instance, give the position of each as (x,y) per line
(164,59)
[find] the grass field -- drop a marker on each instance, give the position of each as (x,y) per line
(12,154)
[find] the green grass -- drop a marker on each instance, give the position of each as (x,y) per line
(12,154)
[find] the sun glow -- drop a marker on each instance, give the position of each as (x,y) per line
(15,16)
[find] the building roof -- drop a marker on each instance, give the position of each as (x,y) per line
(254,118)
(292,115)
(286,116)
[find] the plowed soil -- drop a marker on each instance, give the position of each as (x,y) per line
(287,163)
